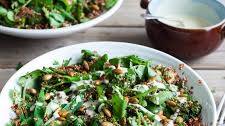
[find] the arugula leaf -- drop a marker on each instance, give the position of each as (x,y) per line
(99,64)
(161,97)
(10,16)
(132,121)
(30,79)
(128,61)
(140,71)
(149,71)
(3,11)
(119,104)
(110,3)
(39,111)
(19,65)
(66,62)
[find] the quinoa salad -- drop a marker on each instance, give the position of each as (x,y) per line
(98,91)
(46,14)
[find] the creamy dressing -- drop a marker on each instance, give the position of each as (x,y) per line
(192,13)
(187,21)
(74,86)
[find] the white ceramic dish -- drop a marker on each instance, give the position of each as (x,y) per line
(201,91)
(59,32)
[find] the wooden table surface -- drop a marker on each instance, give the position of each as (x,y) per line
(126,26)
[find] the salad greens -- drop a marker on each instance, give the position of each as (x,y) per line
(122,91)
(45,14)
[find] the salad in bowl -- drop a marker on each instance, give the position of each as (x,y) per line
(52,18)
(103,90)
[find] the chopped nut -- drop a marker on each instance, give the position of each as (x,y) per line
(106,124)
(160,113)
(181,66)
(179,119)
(18,112)
(32,91)
(170,75)
(47,96)
(107,112)
(118,71)
(82,108)
(63,113)
(98,82)
(126,99)
(17,122)
(171,103)
(133,100)
(199,81)
(95,7)
(123,121)
(47,77)
(86,65)
(61,119)
(71,73)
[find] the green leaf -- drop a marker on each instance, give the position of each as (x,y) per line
(131,75)
(18,66)
(132,121)
(29,80)
(110,3)
(3,11)
(10,16)
(58,17)
(22,1)
(99,64)
(140,71)
(79,10)
(149,71)
(119,105)
(161,97)
(66,62)
(39,111)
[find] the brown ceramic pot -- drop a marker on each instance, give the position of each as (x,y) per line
(182,42)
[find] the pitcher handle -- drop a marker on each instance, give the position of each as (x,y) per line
(144,3)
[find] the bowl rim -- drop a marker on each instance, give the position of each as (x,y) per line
(75,27)
(27,65)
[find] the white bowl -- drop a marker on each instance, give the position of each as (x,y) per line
(201,91)
(58,32)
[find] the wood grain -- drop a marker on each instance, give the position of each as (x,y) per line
(214,78)
(127,15)
(14,50)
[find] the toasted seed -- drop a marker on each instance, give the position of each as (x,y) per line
(95,7)
(32,91)
(133,100)
(17,122)
(61,119)
(160,113)
(118,71)
(63,113)
(86,66)
(107,112)
(106,124)
(98,82)
(82,108)
(179,119)
(123,121)
(126,99)
(71,73)
(47,96)
(18,112)
(171,103)
(47,77)
(151,79)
